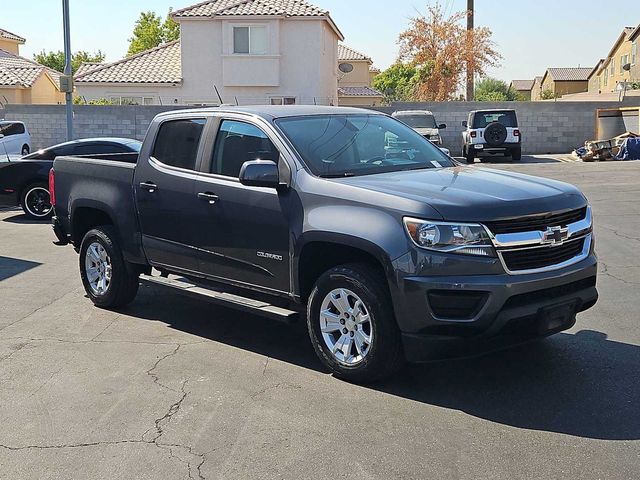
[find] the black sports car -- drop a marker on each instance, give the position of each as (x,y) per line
(24,181)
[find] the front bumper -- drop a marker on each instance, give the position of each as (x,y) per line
(512,308)
(484,149)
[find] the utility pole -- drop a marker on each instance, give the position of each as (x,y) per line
(470,26)
(67,82)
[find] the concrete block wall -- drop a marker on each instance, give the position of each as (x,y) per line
(48,125)
(547,127)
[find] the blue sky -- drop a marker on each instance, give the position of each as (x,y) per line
(531,34)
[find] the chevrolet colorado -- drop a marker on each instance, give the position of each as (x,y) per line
(345,217)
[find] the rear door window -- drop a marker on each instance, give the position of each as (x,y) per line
(9,129)
(99,149)
(178,141)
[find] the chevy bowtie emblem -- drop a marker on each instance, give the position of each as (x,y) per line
(555,236)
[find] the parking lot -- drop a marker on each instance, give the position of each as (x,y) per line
(174,388)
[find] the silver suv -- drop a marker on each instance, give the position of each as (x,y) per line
(423,122)
(490,133)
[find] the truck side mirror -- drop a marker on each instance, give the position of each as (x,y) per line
(465,124)
(260,173)
(442,126)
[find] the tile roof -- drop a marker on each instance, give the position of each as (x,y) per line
(85,67)
(570,74)
(21,72)
(358,92)
(522,84)
(290,8)
(158,65)
(11,36)
(349,54)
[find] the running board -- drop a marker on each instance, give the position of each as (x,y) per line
(204,292)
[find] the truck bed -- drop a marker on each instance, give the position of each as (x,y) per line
(105,185)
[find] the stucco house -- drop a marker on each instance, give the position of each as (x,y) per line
(536,89)
(10,42)
(610,72)
(355,74)
(230,51)
(523,88)
(24,81)
(563,81)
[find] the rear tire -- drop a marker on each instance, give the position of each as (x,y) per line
(516,154)
(370,316)
(25,150)
(36,202)
(470,156)
(109,280)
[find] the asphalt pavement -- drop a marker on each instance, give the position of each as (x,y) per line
(172,388)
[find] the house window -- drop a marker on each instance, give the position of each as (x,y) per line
(634,52)
(624,59)
(612,68)
(283,100)
(250,40)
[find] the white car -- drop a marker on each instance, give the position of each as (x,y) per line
(423,122)
(14,139)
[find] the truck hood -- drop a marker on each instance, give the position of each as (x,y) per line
(471,194)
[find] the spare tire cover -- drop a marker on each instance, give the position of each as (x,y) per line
(495,134)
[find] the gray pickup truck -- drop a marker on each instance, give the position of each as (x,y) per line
(343,217)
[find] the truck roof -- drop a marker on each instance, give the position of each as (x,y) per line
(278,111)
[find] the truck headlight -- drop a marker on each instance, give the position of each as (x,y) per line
(462,238)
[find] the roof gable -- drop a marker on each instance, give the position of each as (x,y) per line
(571,74)
(271,8)
(349,54)
(19,71)
(157,65)
(522,85)
(11,36)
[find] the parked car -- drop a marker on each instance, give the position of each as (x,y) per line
(14,139)
(490,133)
(307,212)
(423,122)
(24,181)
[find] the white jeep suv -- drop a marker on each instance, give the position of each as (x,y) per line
(491,132)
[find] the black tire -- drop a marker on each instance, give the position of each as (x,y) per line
(36,202)
(516,154)
(25,150)
(384,355)
(470,156)
(124,283)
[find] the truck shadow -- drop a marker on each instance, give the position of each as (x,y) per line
(578,384)
(22,219)
(10,267)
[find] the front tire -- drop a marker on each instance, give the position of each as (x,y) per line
(470,156)
(352,325)
(516,154)
(36,202)
(109,280)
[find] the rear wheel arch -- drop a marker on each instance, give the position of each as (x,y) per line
(85,218)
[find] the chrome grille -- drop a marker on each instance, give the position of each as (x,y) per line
(536,222)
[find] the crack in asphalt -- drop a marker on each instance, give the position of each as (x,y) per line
(157,428)
(621,235)
(33,312)
(606,273)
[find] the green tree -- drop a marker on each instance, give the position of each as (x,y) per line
(55,60)
(548,95)
(171,28)
(493,90)
(396,82)
(150,31)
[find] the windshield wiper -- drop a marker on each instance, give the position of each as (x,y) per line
(338,175)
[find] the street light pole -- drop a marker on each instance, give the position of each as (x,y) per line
(470,27)
(67,68)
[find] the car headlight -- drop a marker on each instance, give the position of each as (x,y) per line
(462,238)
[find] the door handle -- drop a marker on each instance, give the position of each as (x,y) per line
(149,186)
(209,197)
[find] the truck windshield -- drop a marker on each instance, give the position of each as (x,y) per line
(352,145)
(418,120)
